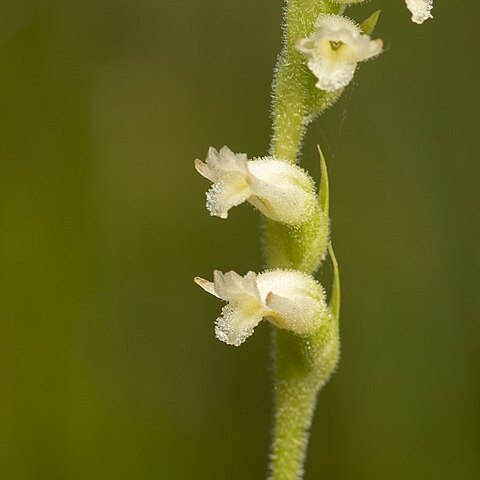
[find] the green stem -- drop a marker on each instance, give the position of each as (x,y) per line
(296,100)
(302,365)
(289,449)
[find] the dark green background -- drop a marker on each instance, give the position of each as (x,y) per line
(109,367)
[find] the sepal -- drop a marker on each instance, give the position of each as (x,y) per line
(304,247)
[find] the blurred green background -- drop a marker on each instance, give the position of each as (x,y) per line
(108,363)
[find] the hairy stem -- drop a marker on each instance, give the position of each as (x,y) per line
(296,100)
(290,437)
(302,364)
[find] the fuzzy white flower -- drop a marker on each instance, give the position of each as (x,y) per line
(335,49)
(421,10)
(280,190)
(286,298)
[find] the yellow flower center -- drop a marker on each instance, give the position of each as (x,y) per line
(336,45)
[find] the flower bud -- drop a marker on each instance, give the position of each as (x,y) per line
(335,49)
(280,190)
(288,299)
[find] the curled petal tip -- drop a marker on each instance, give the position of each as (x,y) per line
(206,285)
(378,45)
(200,167)
(199,281)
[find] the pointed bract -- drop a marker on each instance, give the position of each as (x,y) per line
(369,24)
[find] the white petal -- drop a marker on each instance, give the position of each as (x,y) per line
(236,323)
(336,23)
(229,192)
(244,310)
(227,161)
(299,315)
(281,191)
(231,286)
(421,10)
(228,172)
(295,301)
(332,76)
(375,47)
(218,164)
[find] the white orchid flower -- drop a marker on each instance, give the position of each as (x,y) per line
(288,299)
(335,49)
(280,190)
(421,10)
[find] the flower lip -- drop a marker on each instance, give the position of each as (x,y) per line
(420,10)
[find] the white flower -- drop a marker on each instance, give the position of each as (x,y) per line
(286,298)
(280,190)
(335,49)
(421,9)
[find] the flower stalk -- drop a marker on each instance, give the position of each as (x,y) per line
(302,364)
(320,54)
(300,370)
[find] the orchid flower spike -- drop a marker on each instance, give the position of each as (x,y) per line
(288,299)
(335,49)
(281,191)
(421,10)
